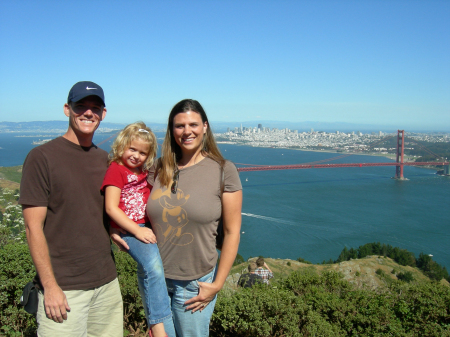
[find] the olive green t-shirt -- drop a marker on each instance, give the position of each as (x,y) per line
(185,223)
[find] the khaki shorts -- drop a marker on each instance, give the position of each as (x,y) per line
(94,312)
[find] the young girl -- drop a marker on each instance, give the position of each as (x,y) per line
(126,193)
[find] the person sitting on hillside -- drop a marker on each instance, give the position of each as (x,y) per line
(263,270)
(247,280)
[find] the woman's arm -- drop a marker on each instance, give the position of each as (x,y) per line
(112,199)
(231,215)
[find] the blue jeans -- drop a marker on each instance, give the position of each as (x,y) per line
(187,323)
(151,281)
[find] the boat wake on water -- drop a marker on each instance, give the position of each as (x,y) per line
(308,229)
(268,218)
(311,230)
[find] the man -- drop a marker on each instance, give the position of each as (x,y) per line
(263,270)
(65,226)
(247,280)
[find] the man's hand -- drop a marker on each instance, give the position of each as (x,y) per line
(114,234)
(55,303)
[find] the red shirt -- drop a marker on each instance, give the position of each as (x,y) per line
(135,191)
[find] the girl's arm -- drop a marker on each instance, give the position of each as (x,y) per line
(112,199)
(231,214)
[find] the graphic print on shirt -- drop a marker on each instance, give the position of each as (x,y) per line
(133,199)
(174,216)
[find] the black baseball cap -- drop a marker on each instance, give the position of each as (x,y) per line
(84,89)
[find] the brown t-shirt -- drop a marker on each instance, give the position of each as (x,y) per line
(185,223)
(66,178)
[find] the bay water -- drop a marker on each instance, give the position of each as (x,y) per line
(315,213)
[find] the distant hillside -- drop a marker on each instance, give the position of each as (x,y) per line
(10,177)
(220,126)
(61,126)
(372,271)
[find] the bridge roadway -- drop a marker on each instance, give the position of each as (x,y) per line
(310,166)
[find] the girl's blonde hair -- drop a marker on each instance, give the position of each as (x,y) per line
(135,131)
(171,151)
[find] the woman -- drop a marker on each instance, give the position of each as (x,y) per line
(193,187)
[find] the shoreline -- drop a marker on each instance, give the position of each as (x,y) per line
(388,156)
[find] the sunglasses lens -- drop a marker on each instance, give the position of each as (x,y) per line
(175,182)
(174,187)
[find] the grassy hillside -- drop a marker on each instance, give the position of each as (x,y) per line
(10,177)
(373,271)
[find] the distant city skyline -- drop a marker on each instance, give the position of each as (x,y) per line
(365,62)
(220,127)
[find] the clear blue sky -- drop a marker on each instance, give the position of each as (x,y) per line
(376,62)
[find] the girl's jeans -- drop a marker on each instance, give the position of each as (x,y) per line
(150,273)
(188,324)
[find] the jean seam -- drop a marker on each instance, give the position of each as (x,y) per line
(160,320)
(155,306)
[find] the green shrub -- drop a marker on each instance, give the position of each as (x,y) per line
(330,261)
(238,260)
(134,314)
(406,276)
(261,311)
(288,263)
(16,270)
(422,307)
(303,260)
(431,268)
(306,304)
(265,312)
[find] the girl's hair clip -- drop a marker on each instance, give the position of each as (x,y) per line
(143,130)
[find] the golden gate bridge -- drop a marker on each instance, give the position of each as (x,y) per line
(399,163)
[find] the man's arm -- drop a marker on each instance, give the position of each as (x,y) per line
(270,272)
(55,301)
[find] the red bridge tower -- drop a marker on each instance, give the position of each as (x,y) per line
(400,153)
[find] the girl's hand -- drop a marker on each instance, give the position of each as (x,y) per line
(206,294)
(146,235)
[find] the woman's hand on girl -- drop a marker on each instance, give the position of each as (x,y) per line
(146,235)
(206,294)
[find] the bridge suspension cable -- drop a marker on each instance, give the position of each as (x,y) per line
(424,148)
